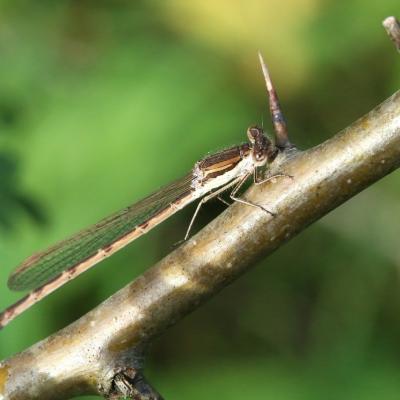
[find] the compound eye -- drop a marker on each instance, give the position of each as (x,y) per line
(259,156)
(253,133)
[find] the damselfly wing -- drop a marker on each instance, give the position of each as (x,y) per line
(102,239)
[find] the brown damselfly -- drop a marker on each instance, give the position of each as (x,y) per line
(44,272)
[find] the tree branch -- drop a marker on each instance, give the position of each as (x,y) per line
(90,355)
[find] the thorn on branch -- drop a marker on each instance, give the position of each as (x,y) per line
(278,120)
(392,26)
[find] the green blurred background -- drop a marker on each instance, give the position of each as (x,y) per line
(101,102)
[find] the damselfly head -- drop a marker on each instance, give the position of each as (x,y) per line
(262,149)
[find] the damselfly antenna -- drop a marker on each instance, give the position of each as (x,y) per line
(281,131)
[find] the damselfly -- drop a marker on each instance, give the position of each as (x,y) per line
(44,272)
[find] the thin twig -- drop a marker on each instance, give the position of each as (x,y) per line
(392,26)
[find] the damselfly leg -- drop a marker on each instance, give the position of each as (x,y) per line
(238,183)
(249,203)
(204,200)
(259,180)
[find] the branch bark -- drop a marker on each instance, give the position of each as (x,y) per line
(91,355)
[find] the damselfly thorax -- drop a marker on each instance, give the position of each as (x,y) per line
(219,169)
